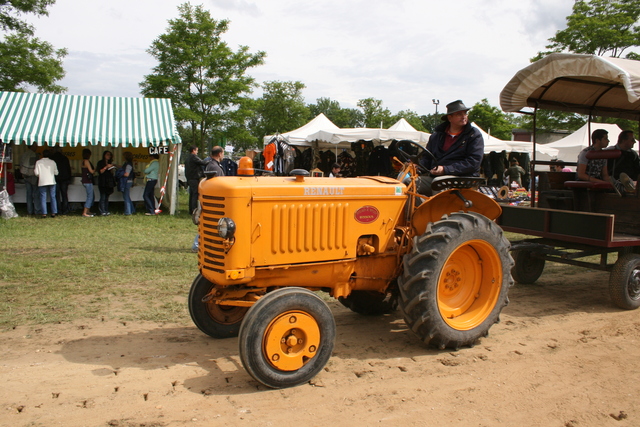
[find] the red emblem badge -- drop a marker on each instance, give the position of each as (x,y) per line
(366,214)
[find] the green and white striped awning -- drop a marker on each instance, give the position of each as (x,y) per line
(86,120)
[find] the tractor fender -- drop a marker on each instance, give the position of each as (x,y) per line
(447,202)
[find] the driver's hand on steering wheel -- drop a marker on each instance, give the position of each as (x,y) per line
(437,171)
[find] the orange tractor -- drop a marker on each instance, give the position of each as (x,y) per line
(267,244)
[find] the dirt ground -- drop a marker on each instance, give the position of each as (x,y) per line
(562,355)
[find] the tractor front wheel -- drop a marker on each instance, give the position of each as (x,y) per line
(286,337)
(624,282)
(215,320)
(455,280)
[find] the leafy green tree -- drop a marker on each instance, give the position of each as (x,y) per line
(492,120)
(410,116)
(547,121)
(11,9)
(430,121)
(375,116)
(341,117)
(600,27)
(281,108)
(205,79)
(25,60)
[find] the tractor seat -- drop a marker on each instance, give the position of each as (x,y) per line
(449,181)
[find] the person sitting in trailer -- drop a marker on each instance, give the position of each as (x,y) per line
(594,170)
(457,148)
(626,168)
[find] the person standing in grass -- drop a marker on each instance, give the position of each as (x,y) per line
(63,179)
(130,174)
(27,163)
(514,173)
(151,173)
(106,181)
(87,181)
(194,172)
(46,170)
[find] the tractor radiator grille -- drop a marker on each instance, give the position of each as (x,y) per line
(213,208)
(299,228)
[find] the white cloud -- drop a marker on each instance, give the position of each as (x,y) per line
(404,52)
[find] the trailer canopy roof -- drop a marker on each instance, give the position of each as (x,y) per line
(584,84)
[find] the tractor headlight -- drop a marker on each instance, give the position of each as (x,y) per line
(226,228)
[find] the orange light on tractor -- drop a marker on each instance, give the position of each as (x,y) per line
(245,166)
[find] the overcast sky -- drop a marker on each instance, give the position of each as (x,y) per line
(403,52)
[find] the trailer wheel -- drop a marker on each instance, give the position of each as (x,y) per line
(624,282)
(286,337)
(217,321)
(455,280)
(369,303)
(528,268)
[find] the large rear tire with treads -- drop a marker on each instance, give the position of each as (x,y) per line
(455,280)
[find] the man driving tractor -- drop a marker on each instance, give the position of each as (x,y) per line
(457,148)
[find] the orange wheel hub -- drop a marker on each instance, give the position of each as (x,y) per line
(469,284)
(291,340)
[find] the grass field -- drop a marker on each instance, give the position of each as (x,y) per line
(129,268)
(116,267)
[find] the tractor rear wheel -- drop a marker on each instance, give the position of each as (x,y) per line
(455,280)
(369,303)
(528,267)
(215,320)
(624,282)
(286,337)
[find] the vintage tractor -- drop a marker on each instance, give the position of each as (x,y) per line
(268,243)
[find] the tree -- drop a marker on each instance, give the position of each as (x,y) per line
(547,121)
(204,78)
(430,121)
(375,116)
(492,120)
(281,108)
(600,27)
(341,117)
(412,117)
(10,9)
(25,60)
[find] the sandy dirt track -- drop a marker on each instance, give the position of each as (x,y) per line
(562,355)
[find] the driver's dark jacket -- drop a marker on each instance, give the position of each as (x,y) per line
(462,159)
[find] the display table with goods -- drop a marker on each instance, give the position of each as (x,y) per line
(77,193)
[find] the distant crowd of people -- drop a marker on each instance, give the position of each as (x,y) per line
(50,177)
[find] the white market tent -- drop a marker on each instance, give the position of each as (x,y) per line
(491,143)
(402,125)
(91,121)
(401,130)
(570,146)
(299,136)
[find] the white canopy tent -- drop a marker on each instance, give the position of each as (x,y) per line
(570,146)
(491,143)
(299,136)
(401,130)
(402,125)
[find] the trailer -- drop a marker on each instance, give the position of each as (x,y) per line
(572,221)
